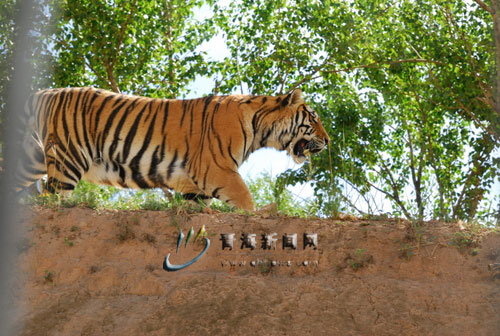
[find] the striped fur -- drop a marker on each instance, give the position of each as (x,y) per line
(191,146)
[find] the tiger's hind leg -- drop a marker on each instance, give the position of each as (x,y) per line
(59,178)
(194,197)
(197,198)
(63,172)
(190,192)
(31,166)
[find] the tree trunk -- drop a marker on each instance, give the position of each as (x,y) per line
(494,10)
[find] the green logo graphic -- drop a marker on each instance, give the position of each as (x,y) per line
(167,266)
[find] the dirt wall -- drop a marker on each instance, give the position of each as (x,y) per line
(100,273)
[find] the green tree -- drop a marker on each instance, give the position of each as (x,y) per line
(406,89)
(7,9)
(38,53)
(140,47)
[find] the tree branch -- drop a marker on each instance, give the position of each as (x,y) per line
(101,78)
(496,34)
(464,108)
(282,87)
(486,89)
(364,66)
(376,64)
(484,6)
(433,161)
(85,59)
(352,205)
(393,185)
(416,174)
(473,180)
(395,197)
(356,189)
(123,28)
(111,77)
(310,76)
(110,63)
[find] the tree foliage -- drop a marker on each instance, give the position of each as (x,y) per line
(7,12)
(408,90)
(36,44)
(140,47)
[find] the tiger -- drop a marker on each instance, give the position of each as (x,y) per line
(191,146)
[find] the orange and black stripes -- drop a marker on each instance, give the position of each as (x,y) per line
(192,146)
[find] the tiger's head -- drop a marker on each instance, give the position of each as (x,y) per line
(302,129)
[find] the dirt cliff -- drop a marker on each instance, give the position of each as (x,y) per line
(86,272)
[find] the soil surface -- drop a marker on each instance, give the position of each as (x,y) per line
(87,272)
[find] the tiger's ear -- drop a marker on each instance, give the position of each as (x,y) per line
(293,98)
